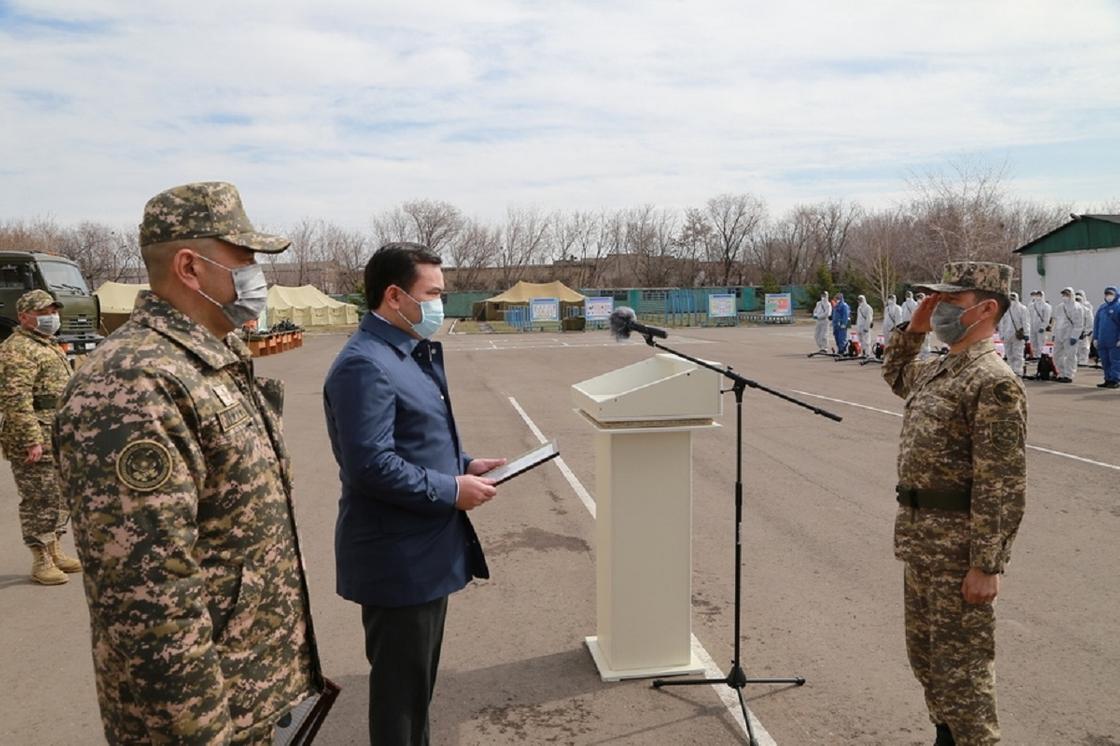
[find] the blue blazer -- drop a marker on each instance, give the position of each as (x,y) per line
(399,540)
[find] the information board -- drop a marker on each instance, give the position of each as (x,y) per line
(779,304)
(721,306)
(544,310)
(598,309)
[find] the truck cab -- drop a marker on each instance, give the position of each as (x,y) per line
(21,271)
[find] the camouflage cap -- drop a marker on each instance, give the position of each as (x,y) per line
(960,276)
(35,300)
(205,209)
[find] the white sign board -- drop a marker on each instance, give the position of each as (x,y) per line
(721,306)
(544,310)
(598,309)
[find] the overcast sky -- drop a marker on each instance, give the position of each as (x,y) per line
(341,108)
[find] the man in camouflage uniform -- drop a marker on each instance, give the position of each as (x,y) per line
(33,372)
(180,485)
(961,493)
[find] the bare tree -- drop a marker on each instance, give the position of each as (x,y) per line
(735,220)
(523,241)
(434,224)
(476,246)
(694,244)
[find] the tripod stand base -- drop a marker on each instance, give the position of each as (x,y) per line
(606,673)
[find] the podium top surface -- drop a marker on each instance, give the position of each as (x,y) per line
(662,387)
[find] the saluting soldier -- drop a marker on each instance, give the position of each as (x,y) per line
(961,493)
(172,454)
(33,372)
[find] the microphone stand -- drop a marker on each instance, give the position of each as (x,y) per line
(737,678)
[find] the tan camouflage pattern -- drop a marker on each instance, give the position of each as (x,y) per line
(964,426)
(951,645)
(959,276)
(208,209)
(173,456)
(35,300)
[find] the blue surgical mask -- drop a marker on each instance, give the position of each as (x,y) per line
(431,316)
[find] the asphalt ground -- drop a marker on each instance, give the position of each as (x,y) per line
(823,594)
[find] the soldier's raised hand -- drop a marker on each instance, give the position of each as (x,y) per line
(919,321)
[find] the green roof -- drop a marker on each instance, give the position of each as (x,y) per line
(1082,233)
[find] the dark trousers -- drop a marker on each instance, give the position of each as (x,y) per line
(402,647)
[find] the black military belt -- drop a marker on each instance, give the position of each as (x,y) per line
(956,498)
(44,402)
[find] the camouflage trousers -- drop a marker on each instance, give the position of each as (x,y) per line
(43,514)
(952,650)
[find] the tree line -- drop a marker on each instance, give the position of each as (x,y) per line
(959,213)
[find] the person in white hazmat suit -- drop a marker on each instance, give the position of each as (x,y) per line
(1087,335)
(892,317)
(1069,323)
(822,313)
(908,306)
(1015,329)
(925,341)
(1041,313)
(865,319)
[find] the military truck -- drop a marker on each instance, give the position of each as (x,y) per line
(21,271)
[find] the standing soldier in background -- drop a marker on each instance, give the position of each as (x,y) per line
(961,493)
(1069,323)
(172,456)
(865,319)
(1087,335)
(1015,329)
(33,372)
(1040,322)
(822,313)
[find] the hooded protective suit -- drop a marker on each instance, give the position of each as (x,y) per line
(1040,321)
(1015,329)
(1087,335)
(892,316)
(865,319)
(822,312)
(841,316)
(908,306)
(925,340)
(1106,335)
(1069,323)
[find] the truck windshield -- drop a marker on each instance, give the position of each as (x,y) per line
(64,279)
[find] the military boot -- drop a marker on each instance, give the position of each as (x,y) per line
(43,570)
(61,560)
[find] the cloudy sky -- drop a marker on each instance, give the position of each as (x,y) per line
(341,108)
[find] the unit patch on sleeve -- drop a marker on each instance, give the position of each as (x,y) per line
(144,466)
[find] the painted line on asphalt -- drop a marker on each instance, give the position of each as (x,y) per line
(726,694)
(560,345)
(1051,451)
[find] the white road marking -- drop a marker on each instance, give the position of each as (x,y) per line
(1051,451)
(726,694)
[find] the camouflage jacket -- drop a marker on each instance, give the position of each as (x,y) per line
(33,372)
(964,427)
(173,457)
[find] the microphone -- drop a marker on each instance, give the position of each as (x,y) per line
(623,320)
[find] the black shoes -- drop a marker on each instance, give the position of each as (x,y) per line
(944,736)
(1063,379)
(1109,385)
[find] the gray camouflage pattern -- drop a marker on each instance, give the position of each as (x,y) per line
(207,209)
(173,457)
(964,426)
(32,366)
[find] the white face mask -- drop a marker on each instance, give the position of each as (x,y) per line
(251,288)
(48,324)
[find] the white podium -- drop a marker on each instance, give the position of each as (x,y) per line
(644,416)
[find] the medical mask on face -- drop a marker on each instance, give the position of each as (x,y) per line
(251,287)
(1109,297)
(48,324)
(431,316)
(946,322)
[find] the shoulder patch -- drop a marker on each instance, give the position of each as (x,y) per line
(144,466)
(1005,392)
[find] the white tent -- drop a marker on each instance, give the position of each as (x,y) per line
(308,306)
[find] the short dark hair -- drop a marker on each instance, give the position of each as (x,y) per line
(1002,300)
(395,264)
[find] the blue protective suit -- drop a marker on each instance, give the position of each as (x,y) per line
(841,315)
(1106,333)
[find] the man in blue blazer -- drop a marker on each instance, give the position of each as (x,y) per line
(403,541)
